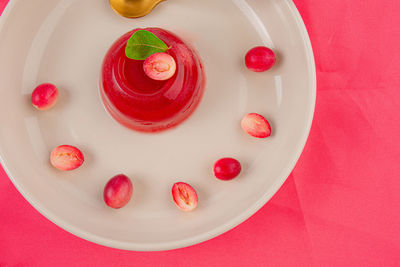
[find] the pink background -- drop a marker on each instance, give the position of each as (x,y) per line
(341,204)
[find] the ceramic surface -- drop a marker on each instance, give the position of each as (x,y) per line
(64,42)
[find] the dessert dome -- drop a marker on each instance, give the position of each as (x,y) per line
(143,104)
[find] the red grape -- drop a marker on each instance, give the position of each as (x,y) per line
(256,125)
(260,59)
(159,66)
(44,96)
(118,191)
(185,196)
(66,158)
(227,168)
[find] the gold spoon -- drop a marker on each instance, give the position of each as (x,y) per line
(133,8)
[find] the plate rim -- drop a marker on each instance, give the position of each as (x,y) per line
(238,219)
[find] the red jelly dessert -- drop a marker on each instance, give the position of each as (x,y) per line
(145,104)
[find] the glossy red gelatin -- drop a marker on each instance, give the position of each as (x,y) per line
(148,105)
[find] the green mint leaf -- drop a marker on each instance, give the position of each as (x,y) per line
(143,44)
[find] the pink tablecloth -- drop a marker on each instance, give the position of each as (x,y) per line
(341,204)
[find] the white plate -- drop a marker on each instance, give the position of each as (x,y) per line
(64,42)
